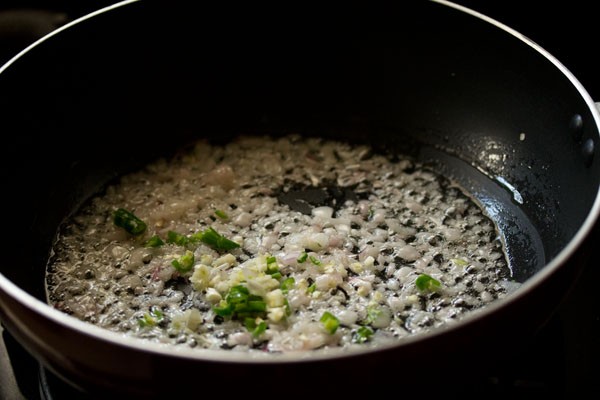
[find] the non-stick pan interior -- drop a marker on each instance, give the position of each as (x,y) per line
(108,95)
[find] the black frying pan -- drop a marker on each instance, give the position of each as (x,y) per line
(471,99)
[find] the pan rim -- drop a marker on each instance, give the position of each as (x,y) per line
(529,285)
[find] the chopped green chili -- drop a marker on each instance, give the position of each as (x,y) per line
(240,304)
(426,283)
(224,310)
(303,257)
(287,284)
(177,238)
(288,309)
(254,328)
(152,318)
(273,268)
(276,275)
(154,241)
(373,312)
(213,239)
(185,262)
(460,262)
(330,322)
(209,237)
(315,260)
(221,214)
(362,334)
(128,221)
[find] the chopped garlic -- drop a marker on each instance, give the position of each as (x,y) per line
(206,259)
(276,314)
(356,267)
(261,285)
(213,295)
(200,277)
(377,296)
(364,290)
(275,298)
(227,260)
(187,320)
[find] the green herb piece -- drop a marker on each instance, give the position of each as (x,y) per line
(303,257)
(256,306)
(240,304)
(287,284)
(128,221)
(224,309)
(185,262)
(237,294)
(177,238)
(288,309)
(260,328)
(221,214)
(213,239)
(371,213)
(153,318)
(330,322)
(315,260)
(311,288)
(426,283)
(154,241)
(372,314)
(254,328)
(271,260)
(460,262)
(272,267)
(362,334)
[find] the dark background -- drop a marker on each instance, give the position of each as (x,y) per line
(564,28)
(563,359)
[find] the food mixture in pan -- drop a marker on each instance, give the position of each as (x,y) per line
(277,245)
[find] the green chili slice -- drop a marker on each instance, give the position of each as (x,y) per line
(426,283)
(154,241)
(362,334)
(330,322)
(152,318)
(315,260)
(127,220)
(177,238)
(221,214)
(185,262)
(215,240)
(287,284)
